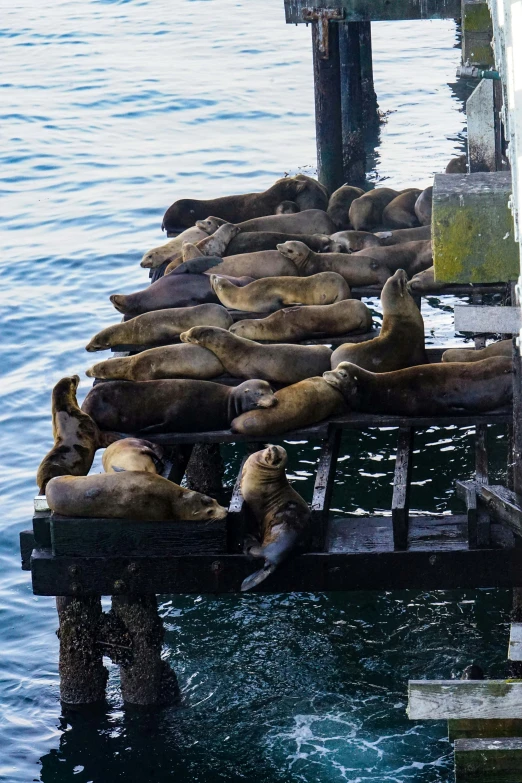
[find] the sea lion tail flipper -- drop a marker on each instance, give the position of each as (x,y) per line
(257,577)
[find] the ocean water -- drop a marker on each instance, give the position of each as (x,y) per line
(110,111)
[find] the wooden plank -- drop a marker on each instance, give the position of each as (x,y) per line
(79,537)
(445,699)
(377,10)
(488,760)
(476,36)
(480,115)
(515,643)
(27,544)
(323,487)
(42,529)
(468,728)
(516,452)
(401,487)
(375,534)
(314,571)
(487,320)
(467,492)
(503,504)
(236,519)
(481,477)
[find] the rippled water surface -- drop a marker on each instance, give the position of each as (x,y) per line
(110,111)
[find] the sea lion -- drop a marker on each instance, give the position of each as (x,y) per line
(166,252)
(298,406)
(301,322)
(242,358)
(424,282)
(178,289)
(234,209)
(255,241)
(282,516)
(423,206)
(412,256)
(400,212)
(350,241)
(287,208)
(340,203)
(264,263)
(458,165)
(160,327)
(356,272)
(213,245)
(130,495)
(426,390)
(401,235)
(313,196)
(167,361)
(173,405)
(133,454)
(401,340)
(366,211)
(500,348)
(272,293)
(76,436)
(311,221)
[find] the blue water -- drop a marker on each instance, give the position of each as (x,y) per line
(109,112)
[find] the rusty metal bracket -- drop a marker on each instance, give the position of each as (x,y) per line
(321,16)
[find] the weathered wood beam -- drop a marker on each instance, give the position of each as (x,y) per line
(401,487)
(488,320)
(352,113)
(323,487)
(488,760)
(27,544)
(480,113)
(477,32)
(469,728)
(479,524)
(457,699)
(503,504)
(515,643)
(377,10)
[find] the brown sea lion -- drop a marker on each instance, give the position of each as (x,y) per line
(272,293)
(458,165)
(424,282)
(133,454)
(340,203)
(234,209)
(299,323)
(313,196)
(400,212)
(167,361)
(287,208)
(366,211)
(282,516)
(401,235)
(500,348)
(173,405)
(130,495)
(311,221)
(76,436)
(160,327)
(412,256)
(423,206)
(255,241)
(167,251)
(350,241)
(178,289)
(264,263)
(298,406)
(213,245)
(360,271)
(242,358)
(427,390)
(401,340)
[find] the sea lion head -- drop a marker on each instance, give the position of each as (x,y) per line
(345,380)
(210,224)
(182,214)
(253,394)
(287,208)
(273,457)
(204,507)
(297,252)
(395,292)
(219,283)
(67,386)
(200,334)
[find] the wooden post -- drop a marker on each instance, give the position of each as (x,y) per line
(205,469)
(369,97)
(146,679)
(516,455)
(354,159)
(488,760)
(83,676)
(481,477)
(401,488)
(327,84)
(323,488)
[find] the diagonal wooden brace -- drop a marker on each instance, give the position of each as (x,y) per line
(322,16)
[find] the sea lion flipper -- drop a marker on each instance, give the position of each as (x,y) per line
(257,577)
(118,470)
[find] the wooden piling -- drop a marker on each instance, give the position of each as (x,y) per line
(354,159)
(369,96)
(205,468)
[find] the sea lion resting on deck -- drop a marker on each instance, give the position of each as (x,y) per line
(360,271)
(76,436)
(423,206)
(400,235)
(213,245)
(400,212)
(272,293)
(340,203)
(348,241)
(133,454)
(401,340)
(500,348)
(424,282)
(282,516)
(311,221)
(166,361)
(130,495)
(155,257)
(254,241)
(426,390)
(234,209)
(173,405)
(160,326)
(366,211)
(265,263)
(414,257)
(303,321)
(242,358)
(301,405)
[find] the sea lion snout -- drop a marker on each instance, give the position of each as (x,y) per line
(118,300)
(274,455)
